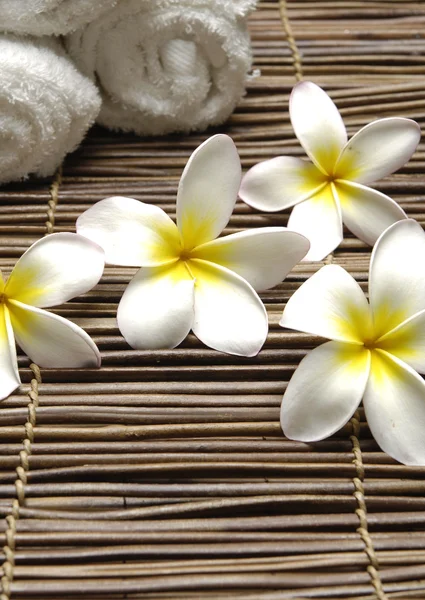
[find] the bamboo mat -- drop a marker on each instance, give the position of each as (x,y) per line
(164,475)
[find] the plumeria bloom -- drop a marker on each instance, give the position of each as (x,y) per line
(189,279)
(331,189)
(52,271)
(375,351)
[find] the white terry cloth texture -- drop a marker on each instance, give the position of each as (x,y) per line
(49,17)
(46,106)
(166,65)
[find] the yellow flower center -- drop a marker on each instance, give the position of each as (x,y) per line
(185,254)
(370,343)
(375,338)
(330,178)
(3,298)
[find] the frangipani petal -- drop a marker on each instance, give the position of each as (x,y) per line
(156,310)
(397,275)
(9,375)
(330,304)
(407,342)
(366,212)
(319,220)
(229,315)
(378,150)
(208,190)
(261,256)
(55,269)
(50,340)
(324,391)
(280,183)
(132,233)
(394,403)
(317,124)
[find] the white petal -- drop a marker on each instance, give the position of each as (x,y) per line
(378,150)
(9,375)
(156,310)
(330,304)
(394,403)
(50,340)
(261,256)
(55,269)
(317,124)
(319,220)
(397,275)
(366,212)
(208,190)
(132,233)
(324,391)
(407,342)
(280,183)
(229,315)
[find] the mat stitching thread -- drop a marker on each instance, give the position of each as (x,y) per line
(296,56)
(297,62)
(22,470)
(20,482)
(361,510)
(53,202)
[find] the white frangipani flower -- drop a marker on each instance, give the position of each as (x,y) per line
(189,279)
(55,269)
(375,353)
(331,189)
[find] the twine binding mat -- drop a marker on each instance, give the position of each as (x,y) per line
(165,475)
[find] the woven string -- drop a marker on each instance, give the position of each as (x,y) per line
(361,510)
(22,470)
(297,62)
(296,57)
(53,202)
(20,482)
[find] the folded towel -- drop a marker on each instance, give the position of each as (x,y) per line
(49,17)
(244,8)
(166,65)
(46,106)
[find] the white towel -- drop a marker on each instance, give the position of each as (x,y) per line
(166,65)
(46,107)
(49,17)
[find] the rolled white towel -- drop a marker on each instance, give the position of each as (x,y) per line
(49,17)
(46,107)
(166,65)
(244,8)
